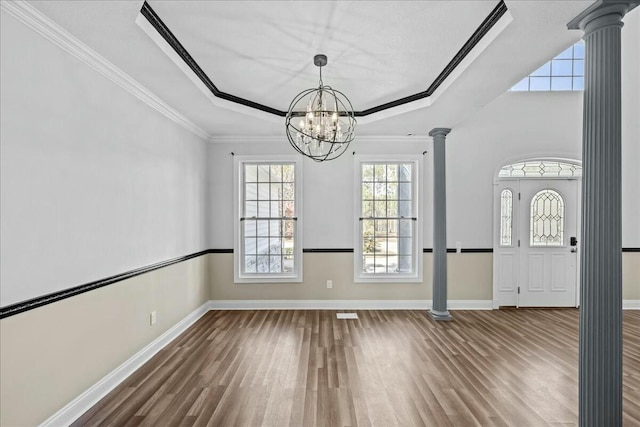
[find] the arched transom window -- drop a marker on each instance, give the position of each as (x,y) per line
(547,219)
(540,169)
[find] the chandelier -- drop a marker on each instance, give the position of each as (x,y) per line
(320,122)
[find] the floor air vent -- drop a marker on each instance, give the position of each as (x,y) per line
(347,315)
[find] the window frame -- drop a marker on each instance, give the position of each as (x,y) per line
(416,276)
(238,247)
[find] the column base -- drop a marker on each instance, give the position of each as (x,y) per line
(440,315)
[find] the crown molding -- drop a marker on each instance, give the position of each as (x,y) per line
(37,21)
(272,139)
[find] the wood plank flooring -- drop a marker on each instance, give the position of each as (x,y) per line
(388,368)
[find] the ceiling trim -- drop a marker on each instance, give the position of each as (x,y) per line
(253,139)
(34,19)
(161,28)
(486,25)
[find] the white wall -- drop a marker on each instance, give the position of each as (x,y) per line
(328,192)
(93,181)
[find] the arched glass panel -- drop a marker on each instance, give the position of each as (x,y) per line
(506,217)
(547,219)
(540,169)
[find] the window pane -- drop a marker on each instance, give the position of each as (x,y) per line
(250,228)
(275,173)
(381,209)
(392,209)
(540,83)
(289,229)
(521,85)
(561,67)
(276,191)
(578,67)
(250,209)
(380,173)
(367,209)
(547,219)
(275,264)
(251,192)
(404,172)
(405,228)
(288,192)
(263,173)
(367,173)
(288,173)
(578,50)
(264,209)
(250,246)
(262,245)
(263,191)
(404,246)
(392,172)
(262,264)
(566,54)
(545,70)
(578,83)
(262,227)
(288,207)
(561,83)
(405,264)
(250,173)
(506,213)
(392,190)
(367,191)
(404,191)
(250,264)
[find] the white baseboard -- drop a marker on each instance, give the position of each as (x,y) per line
(81,404)
(631,304)
(345,304)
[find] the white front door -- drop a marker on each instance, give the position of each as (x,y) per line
(548,212)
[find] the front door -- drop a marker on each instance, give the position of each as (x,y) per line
(547,233)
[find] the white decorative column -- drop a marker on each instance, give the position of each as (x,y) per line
(439,306)
(600,349)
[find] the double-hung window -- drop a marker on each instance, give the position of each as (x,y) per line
(388,233)
(268,244)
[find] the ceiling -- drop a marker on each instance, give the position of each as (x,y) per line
(379,52)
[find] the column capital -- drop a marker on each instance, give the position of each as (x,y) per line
(439,132)
(602,13)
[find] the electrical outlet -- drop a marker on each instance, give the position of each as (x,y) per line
(152,318)
(329,284)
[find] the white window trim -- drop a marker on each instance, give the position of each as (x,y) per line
(296,275)
(416,276)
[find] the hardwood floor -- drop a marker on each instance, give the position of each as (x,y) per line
(388,368)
